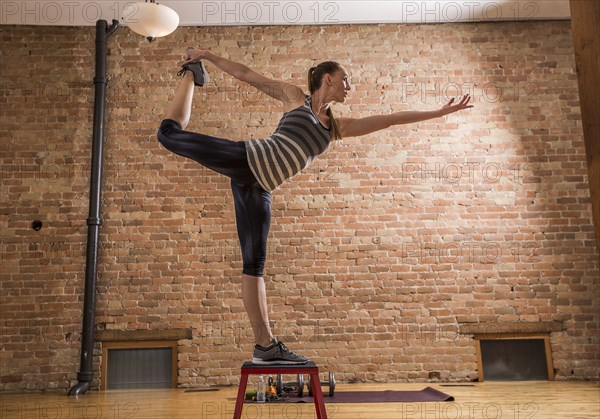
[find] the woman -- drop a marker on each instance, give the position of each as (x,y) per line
(257,167)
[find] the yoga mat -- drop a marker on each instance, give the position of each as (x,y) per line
(428,394)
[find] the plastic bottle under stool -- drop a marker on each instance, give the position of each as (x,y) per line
(262,388)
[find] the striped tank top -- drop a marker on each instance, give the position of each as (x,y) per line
(298,140)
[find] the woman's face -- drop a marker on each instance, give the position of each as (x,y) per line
(340,82)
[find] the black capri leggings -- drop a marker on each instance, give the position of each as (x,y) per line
(252,202)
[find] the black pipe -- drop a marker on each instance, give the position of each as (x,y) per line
(86,373)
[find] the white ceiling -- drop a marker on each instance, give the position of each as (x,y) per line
(284,12)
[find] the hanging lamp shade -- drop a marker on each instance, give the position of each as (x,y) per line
(150,19)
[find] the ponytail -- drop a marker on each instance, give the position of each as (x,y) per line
(315,79)
(333,124)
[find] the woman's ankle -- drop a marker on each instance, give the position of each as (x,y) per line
(265,343)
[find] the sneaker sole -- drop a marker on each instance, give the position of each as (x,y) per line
(259,361)
(205,76)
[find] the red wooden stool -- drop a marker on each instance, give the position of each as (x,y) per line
(308,368)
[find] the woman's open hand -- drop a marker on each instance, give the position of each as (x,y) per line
(450,107)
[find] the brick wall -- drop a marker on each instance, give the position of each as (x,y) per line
(378,253)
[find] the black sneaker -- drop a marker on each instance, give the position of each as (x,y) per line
(276,353)
(200,74)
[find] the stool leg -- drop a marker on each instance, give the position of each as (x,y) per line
(318,395)
(239,403)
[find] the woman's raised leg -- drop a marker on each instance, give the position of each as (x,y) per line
(180,108)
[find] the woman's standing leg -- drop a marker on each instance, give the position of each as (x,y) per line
(253,219)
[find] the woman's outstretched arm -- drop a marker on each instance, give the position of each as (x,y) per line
(354,127)
(287,93)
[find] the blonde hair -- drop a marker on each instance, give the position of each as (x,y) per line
(315,79)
